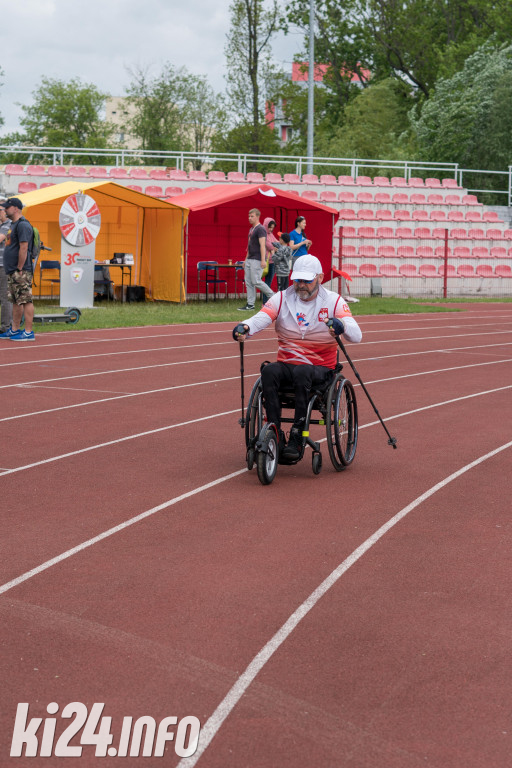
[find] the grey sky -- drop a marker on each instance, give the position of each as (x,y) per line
(97,40)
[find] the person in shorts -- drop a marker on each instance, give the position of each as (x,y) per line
(18,267)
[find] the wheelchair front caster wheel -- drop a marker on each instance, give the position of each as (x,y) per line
(250,459)
(317,463)
(267,454)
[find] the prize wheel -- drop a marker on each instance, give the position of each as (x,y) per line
(79,219)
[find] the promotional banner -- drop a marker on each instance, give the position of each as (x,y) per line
(80,222)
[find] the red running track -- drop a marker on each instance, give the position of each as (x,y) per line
(354,620)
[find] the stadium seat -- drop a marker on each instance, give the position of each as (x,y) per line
(422,233)
(455,216)
(346,197)
(453,200)
(408,270)
(236,176)
(405,252)
(364,197)
(36,170)
(476,234)
(385,232)
(118,173)
(400,198)
(398,181)
(388,270)
(310,194)
(216,176)
(47,184)
(420,215)
(402,215)
(154,191)
(367,252)
(365,214)
(327,179)
(191,189)
(404,232)
(470,200)
(424,252)
(418,198)
(348,214)
(13,169)
(498,252)
(507,234)
(350,269)
(473,216)
(328,197)
(438,233)
(450,184)
(439,252)
(383,198)
(197,176)
(479,252)
(273,178)
(461,252)
(384,214)
(435,199)
(138,173)
(386,252)
(450,271)
(415,182)
(366,232)
(484,270)
(348,251)
(466,270)
(381,181)
(368,270)
(349,231)
(363,181)
(98,172)
(158,174)
(503,270)
(135,187)
(291,178)
(427,270)
(494,234)
(490,216)
(458,234)
(173,191)
(432,183)
(255,177)
(346,180)
(57,170)
(437,216)
(26,186)
(177,175)
(310,178)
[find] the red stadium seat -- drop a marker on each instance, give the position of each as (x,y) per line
(348,214)
(418,198)
(490,216)
(328,197)
(255,177)
(236,176)
(439,252)
(154,191)
(466,270)
(47,184)
(363,181)
(398,181)
(384,214)
(507,234)
(503,270)
(327,179)
(310,194)
(349,231)
(470,200)
(291,178)
(400,198)
(216,176)
(404,232)
(346,180)
(386,252)
(159,174)
(36,170)
(348,251)
(424,252)
(197,175)
(118,173)
(402,215)
(432,183)
(388,270)
(498,252)
(364,197)
(427,270)
(422,233)
(173,191)
(415,182)
(381,181)
(494,234)
(420,216)
(98,172)
(435,200)
(459,234)
(77,171)
(366,232)
(350,269)
(138,173)
(384,198)
(385,232)
(57,170)
(461,252)
(135,187)
(346,197)
(450,184)
(437,216)
(368,270)
(476,234)
(453,200)
(455,216)
(450,270)
(484,270)
(438,233)
(272,178)
(479,252)
(365,214)
(26,186)
(310,178)
(177,175)
(405,252)
(191,189)
(367,252)
(473,216)
(408,270)
(13,169)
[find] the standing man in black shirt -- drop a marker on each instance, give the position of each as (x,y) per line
(255,261)
(18,267)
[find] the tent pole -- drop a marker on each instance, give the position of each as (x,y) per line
(186,261)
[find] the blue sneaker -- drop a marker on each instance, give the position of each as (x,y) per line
(8,333)
(23,336)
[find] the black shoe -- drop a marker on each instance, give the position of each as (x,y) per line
(247,308)
(294,446)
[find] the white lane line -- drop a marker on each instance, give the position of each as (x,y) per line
(116,529)
(125,395)
(228,703)
(260,339)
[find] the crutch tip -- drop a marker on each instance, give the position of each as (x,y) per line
(241,422)
(392,441)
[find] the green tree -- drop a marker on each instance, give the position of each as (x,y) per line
(65,114)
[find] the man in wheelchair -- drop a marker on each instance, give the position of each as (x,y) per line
(307,347)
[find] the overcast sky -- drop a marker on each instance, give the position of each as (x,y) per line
(97,40)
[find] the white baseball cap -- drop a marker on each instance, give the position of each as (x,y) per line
(307,268)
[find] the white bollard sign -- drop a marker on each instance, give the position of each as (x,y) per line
(80,222)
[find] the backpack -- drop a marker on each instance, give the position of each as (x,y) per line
(36,248)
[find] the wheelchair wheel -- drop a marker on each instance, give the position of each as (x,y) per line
(254,415)
(267,454)
(316,462)
(341,423)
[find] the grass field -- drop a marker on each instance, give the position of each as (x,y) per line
(117,315)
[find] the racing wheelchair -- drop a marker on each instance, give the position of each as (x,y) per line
(335,406)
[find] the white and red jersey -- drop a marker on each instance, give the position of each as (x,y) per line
(300,326)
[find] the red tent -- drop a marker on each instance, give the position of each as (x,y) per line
(218,227)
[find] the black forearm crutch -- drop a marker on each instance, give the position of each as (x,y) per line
(239,334)
(392,440)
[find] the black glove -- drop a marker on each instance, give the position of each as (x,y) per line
(336,324)
(239,329)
